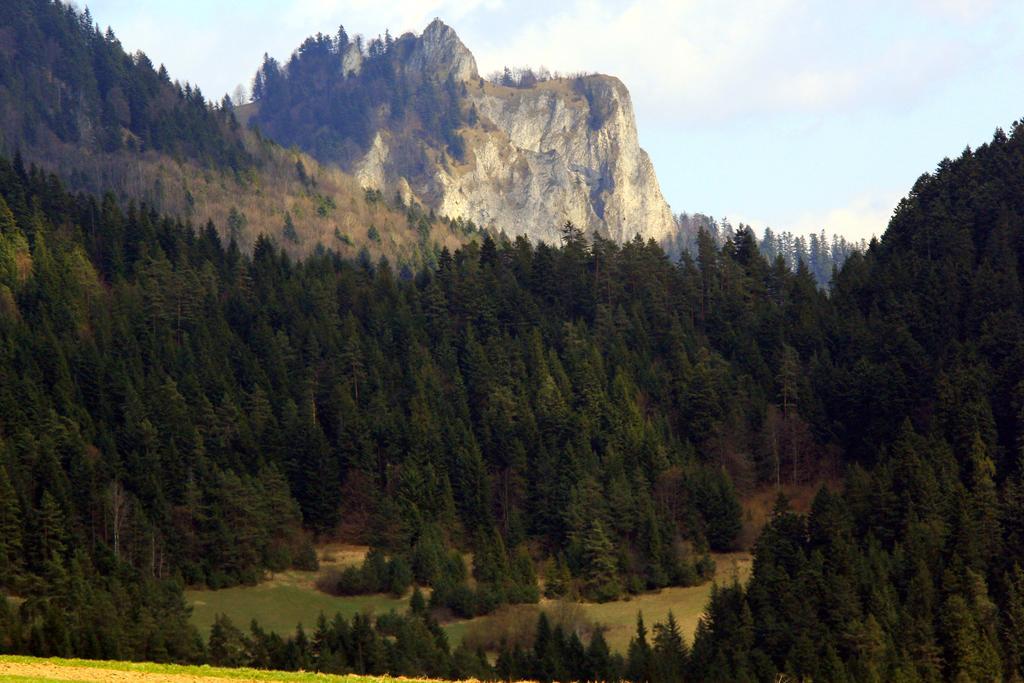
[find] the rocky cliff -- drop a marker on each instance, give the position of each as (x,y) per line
(564,149)
(438,52)
(412,116)
(560,150)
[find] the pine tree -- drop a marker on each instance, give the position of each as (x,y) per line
(11,558)
(600,569)
(302,649)
(227,645)
(639,664)
(52,529)
(1013,624)
(653,547)
(547,664)
(351,357)
(669,652)
(970,656)
(289,231)
(321,644)
(985,501)
(599,658)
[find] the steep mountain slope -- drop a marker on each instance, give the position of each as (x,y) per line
(63,84)
(412,116)
(74,102)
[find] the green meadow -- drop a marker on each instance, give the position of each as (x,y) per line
(290,598)
(618,618)
(287,599)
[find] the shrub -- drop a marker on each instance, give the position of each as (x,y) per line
(306,558)
(327,582)
(488,598)
(389,624)
(353,581)
(705,567)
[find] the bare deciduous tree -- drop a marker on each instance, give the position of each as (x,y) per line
(120,507)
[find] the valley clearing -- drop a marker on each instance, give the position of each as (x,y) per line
(280,603)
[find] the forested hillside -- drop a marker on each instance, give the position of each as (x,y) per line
(66,85)
(335,93)
(183,402)
(914,572)
(166,398)
(73,101)
(174,410)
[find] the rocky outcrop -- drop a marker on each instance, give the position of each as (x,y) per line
(352,60)
(438,52)
(564,149)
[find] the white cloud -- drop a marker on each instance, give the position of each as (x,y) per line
(681,53)
(687,61)
(968,10)
(863,217)
(713,60)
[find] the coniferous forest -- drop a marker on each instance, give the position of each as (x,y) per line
(312,102)
(76,88)
(177,412)
(583,419)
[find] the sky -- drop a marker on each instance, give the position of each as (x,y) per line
(800,115)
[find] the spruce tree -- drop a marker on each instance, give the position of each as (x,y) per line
(11,558)
(600,569)
(52,529)
(599,658)
(639,662)
(417,604)
(1012,627)
(557,578)
(226,645)
(289,231)
(669,652)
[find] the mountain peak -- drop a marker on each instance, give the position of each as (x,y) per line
(440,52)
(438,26)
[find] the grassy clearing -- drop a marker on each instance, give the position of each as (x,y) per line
(687,604)
(287,599)
(279,605)
(20,668)
(290,598)
(619,617)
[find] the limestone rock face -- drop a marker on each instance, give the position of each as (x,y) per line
(439,52)
(371,171)
(351,61)
(564,149)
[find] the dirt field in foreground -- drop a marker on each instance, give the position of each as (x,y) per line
(56,672)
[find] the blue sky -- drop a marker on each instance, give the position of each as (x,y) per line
(798,115)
